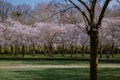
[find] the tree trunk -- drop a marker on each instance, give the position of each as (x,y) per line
(86,50)
(118,52)
(100,51)
(63,50)
(23,50)
(76,50)
(71,51)
(51,50)
(0,49)
(94,55)
(83,50)
(112,50)
(34,50)
(16,49)
(11,50)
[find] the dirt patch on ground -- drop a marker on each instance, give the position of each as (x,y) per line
(57,66)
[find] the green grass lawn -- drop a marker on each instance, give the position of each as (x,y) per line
(41,62)
(54,73)
(79,56)
(58,74)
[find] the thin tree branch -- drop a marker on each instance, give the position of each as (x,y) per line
(55,14)
(118,1)
(85,5)
(83,13)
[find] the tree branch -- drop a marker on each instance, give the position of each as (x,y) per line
(55,14)
(118,1)
(85,5)
(92,12)
(83,13)
(102,12)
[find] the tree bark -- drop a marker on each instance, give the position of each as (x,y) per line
(94,55)
(83,50)
(0,49)
(118,52)
(11,49)
(23,50)
(71,51)
(100,51)
(76,51)
(16,49)
(63,50)
(33,51)
(86,50)
(112,50)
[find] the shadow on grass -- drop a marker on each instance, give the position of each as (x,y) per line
(58,74)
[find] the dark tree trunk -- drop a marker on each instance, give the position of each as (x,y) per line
(94,55)
(16,49)
(11,50)
(76,50)
(51,50)
(5,49)
(26,48)
(83,50)
(33,51)
(63,50)
(86,50)
(71,51)
(45,50)
(23,51)
(112,52)
(29,49)
(118,51)
(100,51)
(0,49)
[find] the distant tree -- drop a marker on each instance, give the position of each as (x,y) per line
(23,13)
(44,11)
(113,32)
(84,41)
(5,10)
(49,38)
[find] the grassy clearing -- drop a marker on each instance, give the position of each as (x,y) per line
(40,62)
(87,56)
(54,73)
(43,56)
(58,74)
(49,62)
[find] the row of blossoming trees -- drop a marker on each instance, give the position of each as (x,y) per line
(50,38)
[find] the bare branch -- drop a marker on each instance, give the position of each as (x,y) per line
(55,14)
(118,1)
(85,5)
(102,12)
(83,13)
(92,12)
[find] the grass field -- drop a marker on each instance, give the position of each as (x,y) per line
(109,73)
(40,62)
(57,74)
(79,56)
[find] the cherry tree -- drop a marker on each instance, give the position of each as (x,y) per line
(49,37)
